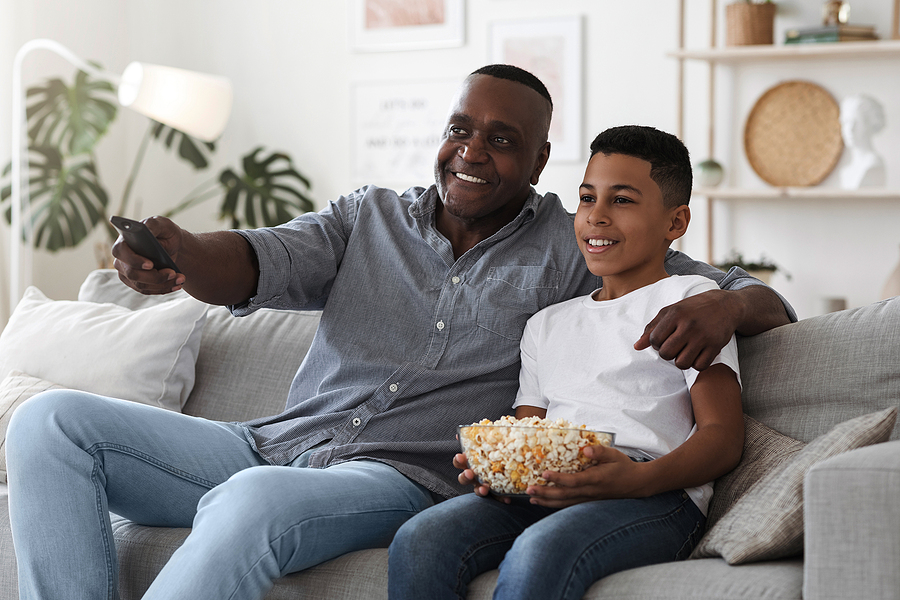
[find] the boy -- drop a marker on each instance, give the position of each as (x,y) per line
(644,501)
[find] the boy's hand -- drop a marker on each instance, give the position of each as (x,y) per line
(467,477)
(614,475)
(692,331)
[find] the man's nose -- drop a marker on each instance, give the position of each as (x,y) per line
(474,150)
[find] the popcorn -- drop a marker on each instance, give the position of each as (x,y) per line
(510,454)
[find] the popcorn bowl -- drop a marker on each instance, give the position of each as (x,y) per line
(510,454)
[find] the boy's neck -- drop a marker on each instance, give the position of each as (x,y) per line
(620,284)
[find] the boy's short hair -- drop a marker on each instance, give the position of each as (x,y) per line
(670,162)
(517,74)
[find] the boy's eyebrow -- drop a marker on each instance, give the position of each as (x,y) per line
(617,188)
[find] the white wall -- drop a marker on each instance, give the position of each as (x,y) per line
(293,69)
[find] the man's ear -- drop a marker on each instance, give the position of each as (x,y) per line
(680,218)
(541,162)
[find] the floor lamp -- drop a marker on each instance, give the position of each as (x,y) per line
(194,103)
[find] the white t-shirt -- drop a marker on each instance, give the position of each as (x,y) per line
(579,363)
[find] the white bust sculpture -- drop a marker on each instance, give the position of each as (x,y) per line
(861,117)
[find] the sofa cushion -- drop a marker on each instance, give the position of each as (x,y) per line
(804,378)
(767,522)
(146,355)
(14,390)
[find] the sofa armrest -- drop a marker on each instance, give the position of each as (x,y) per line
(852,525)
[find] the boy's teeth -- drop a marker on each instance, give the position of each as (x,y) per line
(601,242)
(470,179)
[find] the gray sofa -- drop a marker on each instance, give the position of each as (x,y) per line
(800,379)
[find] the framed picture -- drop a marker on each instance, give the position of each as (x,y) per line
(397,129)
(382,25)
(552,50)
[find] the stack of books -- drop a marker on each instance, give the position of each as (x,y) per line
(831,33)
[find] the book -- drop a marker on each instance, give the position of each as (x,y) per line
(834,29)
(827,37)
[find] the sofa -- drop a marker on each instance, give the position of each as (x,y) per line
(800,382)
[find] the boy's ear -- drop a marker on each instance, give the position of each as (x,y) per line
(680,219)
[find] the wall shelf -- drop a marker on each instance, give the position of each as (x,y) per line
(799,193)
(738,54)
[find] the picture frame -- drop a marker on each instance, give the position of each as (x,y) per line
(397,129)
(552,50)
(391,25)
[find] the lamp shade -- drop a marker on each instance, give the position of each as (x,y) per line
(195,103)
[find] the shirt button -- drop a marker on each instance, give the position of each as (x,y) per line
(440,325)
(455,280)
(393,387)
(356,422)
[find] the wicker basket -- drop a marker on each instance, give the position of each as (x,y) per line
(748,23)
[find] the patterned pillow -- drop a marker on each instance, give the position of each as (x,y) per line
(766,523)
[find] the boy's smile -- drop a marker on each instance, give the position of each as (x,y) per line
(622,225)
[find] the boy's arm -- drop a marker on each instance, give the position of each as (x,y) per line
(713,450)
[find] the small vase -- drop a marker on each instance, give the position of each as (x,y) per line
(749,23)
(892,285)
(708,173)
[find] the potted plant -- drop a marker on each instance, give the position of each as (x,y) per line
(750,22)
(762,269)
(68,199)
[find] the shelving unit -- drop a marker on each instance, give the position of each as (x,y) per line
(735,55)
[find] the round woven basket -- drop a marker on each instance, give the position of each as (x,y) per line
(748,23)
(793,134)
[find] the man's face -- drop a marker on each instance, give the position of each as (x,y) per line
(493,149)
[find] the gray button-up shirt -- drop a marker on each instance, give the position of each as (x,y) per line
(411,343)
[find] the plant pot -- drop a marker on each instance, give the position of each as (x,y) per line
(748,23)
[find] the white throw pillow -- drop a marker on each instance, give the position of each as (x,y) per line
(145,355)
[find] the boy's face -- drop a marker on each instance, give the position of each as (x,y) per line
(622,226)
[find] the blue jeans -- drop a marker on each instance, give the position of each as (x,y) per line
(541,553)
(73,457)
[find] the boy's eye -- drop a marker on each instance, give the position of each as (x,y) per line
(587,199)
(622,200)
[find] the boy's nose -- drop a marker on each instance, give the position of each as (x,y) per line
(598,215)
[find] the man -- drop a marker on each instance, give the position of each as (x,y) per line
(424,297)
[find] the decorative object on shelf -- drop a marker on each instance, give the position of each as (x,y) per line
(862,117)
(762,269)
(835,12)
(708,173)
(793,134)
(831,33)
(749,23)
(892,285)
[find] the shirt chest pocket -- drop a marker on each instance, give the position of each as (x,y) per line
(511,295)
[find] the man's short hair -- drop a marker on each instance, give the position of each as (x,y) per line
(670,161)
(518,75)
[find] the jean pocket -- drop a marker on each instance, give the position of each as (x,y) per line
(511,295)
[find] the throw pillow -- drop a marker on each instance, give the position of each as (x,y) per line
(14,390)
(767,522)
(104,285)
(764,449)
(145,355)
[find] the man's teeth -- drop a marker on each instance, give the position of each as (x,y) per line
(469,178)
(601,242)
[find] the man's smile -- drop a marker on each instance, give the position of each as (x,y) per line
(469,178)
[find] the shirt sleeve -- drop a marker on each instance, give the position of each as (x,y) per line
(529,393)
(678,263)
(299,260)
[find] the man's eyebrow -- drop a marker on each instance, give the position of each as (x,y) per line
(494,125)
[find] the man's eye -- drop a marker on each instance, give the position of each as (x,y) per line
(454,130)
(501,140)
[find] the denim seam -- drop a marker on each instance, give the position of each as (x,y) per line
(289,530)
(99,447)
(461,586)
(618,532)
(111,592)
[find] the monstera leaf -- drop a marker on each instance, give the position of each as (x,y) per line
(269,189)
(70,118)
(194,151)
(67,200)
